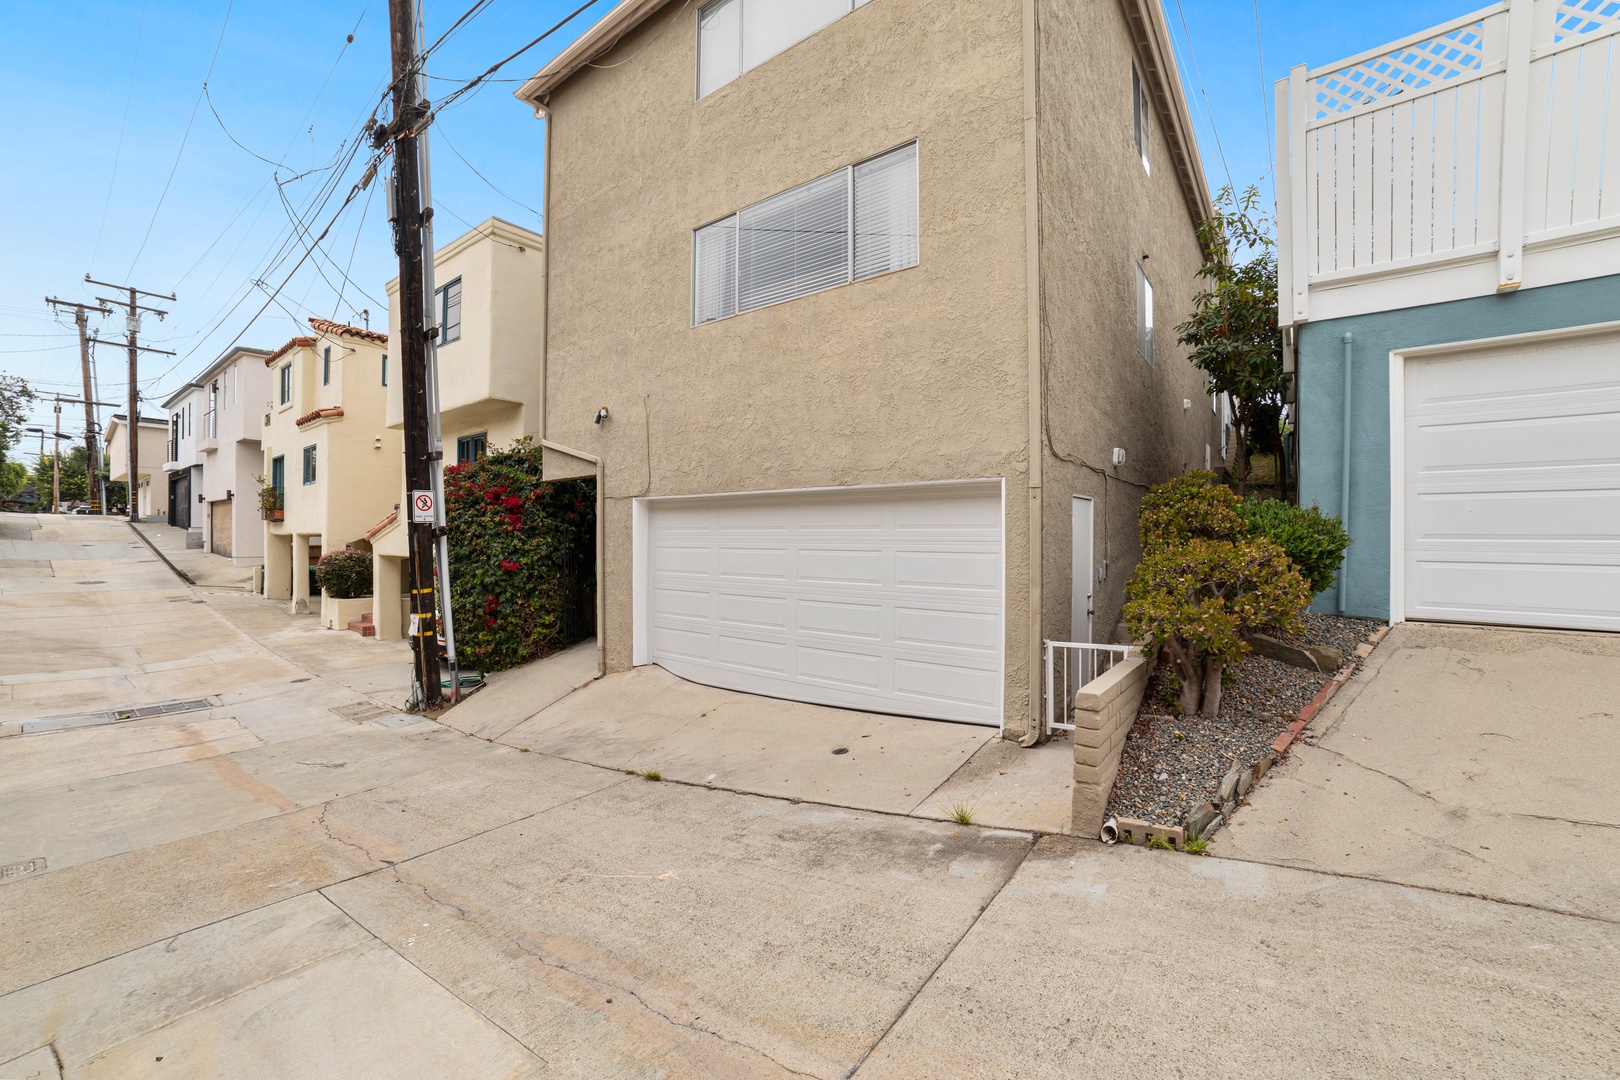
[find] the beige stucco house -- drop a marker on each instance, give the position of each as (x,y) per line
(864,307)
(151,500)
(327,450)
(488,285)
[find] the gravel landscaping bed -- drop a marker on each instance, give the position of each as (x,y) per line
(1170,764)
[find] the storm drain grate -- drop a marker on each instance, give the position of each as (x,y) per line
(360,711)
(113,716)
(13,871)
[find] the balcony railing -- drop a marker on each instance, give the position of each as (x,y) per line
(1483,136)
(173,451)
(210,424)
(273,504)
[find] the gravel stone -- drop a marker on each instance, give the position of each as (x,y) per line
(1260,699)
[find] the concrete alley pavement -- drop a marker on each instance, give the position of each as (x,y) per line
(296,882)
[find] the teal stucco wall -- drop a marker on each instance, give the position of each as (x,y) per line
(1320,350)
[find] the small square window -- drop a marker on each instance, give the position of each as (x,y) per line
(309,464)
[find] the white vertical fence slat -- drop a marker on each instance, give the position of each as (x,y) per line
(1400,161)
(1364,150)
(1445,171)
(1465,202)
(1609,181)
(1515,122)
(1343,194)
(1592,102)
(1564,75)
(1383,156)
(1423,160)
(1489,173)
(1313,202)
(1299,187)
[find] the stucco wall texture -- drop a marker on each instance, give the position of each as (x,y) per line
(1320,348)
(917,375)
(1102,214)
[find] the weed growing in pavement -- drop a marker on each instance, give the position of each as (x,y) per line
(1195,847)
(962,813)
(1161,843)
(651,774)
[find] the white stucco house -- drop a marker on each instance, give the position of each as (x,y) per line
(213,454)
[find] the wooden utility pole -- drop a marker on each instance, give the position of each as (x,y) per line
(92,462)
(132,327)
(413,326)
(56,461)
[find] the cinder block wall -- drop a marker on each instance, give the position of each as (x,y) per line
(1104,710)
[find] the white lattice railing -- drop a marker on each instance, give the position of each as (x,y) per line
(1460,141)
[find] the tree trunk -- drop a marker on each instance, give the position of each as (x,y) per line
(1212,687)
(1187,670)
(1240,433)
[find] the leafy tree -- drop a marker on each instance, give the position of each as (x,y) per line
(15,397)
(1233,333)
(345,574)
(1204,582)
(13,477)
(1314,541)
(75,486)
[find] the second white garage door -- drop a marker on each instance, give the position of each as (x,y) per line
(881,599)
(1512,478)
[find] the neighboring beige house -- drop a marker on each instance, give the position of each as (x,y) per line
(152,500)
(327,451)
(488,286)
(215,423)
(866,309)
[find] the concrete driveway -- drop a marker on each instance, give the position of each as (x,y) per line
(284,884)
(1475,760)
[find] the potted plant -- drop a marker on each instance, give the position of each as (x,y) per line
(272,503)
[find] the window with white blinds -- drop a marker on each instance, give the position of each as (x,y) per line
(1139,109)
(852,224)
(736,35)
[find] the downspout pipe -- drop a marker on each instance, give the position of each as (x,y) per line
(1344,462)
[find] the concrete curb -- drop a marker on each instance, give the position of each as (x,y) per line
(1324,695)
(179,573)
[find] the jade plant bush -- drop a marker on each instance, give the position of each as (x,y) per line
(516,544)
(344,574)
(1203,582)
(1315,542)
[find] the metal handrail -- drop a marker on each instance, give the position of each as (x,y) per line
(1084,660)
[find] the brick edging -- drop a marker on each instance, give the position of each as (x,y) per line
(1323,696)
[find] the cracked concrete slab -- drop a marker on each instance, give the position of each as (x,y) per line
(1125,962)
(792,934)
(1474,760)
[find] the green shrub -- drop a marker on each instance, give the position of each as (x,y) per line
(515,540)
(1191,507)
(345,574)
(1315,542)
(1204,582)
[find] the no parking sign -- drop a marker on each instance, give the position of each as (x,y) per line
(421,507)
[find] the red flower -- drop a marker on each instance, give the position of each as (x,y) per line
(490,605)
(512,502)
(489,624)
(509,565)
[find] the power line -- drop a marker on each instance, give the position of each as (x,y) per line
(473,84)
(484,178)
(118,154)
(178,154)
(1265,100)
(1209,114)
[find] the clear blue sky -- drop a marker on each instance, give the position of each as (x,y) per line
(101,95)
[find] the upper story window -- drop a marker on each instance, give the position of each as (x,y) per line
(326,366)
(449,301)
(385,369)
(471,447)
(309,464)
(856,223)
(285,375)
(1144,315)
(737,35)
(1139,108)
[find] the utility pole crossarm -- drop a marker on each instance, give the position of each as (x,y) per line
(92,471)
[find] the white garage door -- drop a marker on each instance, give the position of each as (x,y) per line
(882,599)
(1512,473)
